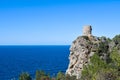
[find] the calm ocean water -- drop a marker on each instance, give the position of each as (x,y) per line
(17,59)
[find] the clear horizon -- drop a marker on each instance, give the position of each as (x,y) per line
(51,22)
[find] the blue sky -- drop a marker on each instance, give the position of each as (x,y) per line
(54,22)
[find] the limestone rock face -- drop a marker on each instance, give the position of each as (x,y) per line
(81,50)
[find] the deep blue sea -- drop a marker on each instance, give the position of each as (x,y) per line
(17,59)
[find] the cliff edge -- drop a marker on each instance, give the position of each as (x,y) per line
(83,48)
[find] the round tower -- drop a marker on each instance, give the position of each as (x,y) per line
(87,30)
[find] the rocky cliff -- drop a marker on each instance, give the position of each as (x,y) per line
(83,48)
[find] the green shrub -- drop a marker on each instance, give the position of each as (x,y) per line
(24,76)
(41,75)
(115,56)
(90,71)
(116,39)
(60,76)
(100,70)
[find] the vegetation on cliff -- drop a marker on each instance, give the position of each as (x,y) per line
(41,75)
(108,69)
(100,70)
(104,64)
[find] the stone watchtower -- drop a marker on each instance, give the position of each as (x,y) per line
(87,30)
